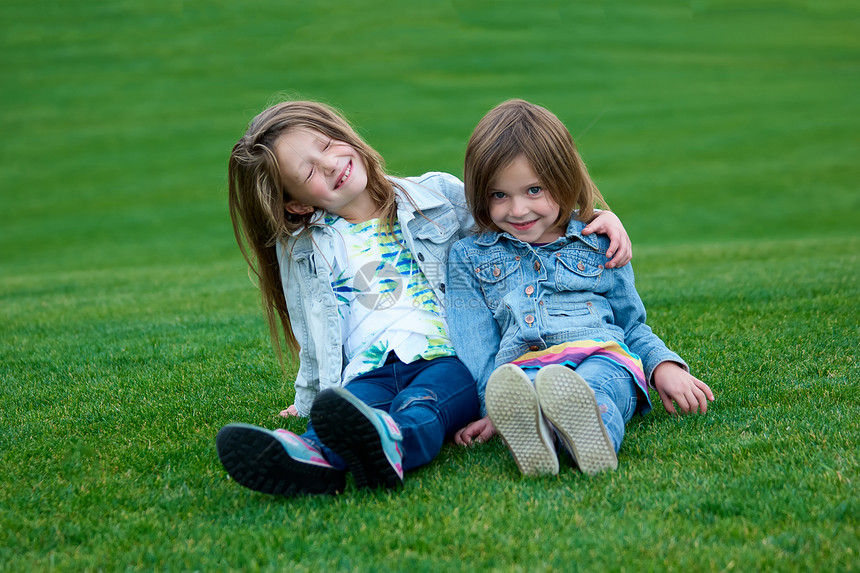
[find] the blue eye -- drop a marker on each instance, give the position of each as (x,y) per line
(497,195)
(534,191)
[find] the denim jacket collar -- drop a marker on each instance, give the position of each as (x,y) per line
(406,206)
(303,239)
(429,199)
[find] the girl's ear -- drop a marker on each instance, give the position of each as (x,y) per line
(297,208)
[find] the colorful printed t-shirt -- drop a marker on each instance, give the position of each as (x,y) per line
(384,300)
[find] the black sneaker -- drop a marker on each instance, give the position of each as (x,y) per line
(276,462)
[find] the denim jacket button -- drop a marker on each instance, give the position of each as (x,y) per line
(537,265)
(529,319)
(579,265)
(534,347)
(442,288)
(421,257)
(496,271)
(530,290)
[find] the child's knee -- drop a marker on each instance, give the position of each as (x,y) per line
(413,398)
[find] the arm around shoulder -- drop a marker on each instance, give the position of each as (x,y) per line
(620,250)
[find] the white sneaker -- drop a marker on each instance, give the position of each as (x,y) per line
(512,405)
(568,403)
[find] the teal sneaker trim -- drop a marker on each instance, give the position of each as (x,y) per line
(367,439)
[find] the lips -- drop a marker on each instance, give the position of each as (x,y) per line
(523,226)
(344,176)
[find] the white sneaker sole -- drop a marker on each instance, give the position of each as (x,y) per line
(568,403)
(512,405)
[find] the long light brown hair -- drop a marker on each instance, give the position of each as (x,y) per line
(518,128)
(257,197)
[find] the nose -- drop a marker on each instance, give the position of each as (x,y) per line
(519,207)
(328,163)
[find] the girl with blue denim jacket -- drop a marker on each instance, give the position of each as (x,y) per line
(555,337)
(351,268)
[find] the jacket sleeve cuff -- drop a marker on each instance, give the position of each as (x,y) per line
(304,400)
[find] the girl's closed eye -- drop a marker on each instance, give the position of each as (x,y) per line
(324,149)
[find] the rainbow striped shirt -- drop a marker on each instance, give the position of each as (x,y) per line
(573,353)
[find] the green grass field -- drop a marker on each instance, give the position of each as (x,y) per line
(724,133)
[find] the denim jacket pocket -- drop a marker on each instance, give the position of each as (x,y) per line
(568,309)
(306,262)
(578,271)
(567,317)
(497,278)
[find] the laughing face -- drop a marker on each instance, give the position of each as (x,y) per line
(521,206)
(323,173)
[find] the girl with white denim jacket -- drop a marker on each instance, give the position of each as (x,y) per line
(351,267)
(552,334)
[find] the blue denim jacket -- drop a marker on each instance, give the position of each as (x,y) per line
(305,263)
(507,297)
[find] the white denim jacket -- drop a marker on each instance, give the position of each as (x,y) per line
(434,219)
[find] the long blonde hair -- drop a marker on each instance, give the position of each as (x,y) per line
(257,197)
(518,128)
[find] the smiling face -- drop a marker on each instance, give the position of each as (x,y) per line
(521,206)
(319,172)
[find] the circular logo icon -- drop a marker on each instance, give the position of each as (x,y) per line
(378,285)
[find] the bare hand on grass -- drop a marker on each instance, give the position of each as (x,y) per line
(678,387)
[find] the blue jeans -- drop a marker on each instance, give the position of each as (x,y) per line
(429,400)
(615,391)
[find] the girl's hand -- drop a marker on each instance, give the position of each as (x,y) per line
(674,384)
(289,412)
(477,432)
(620,249)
